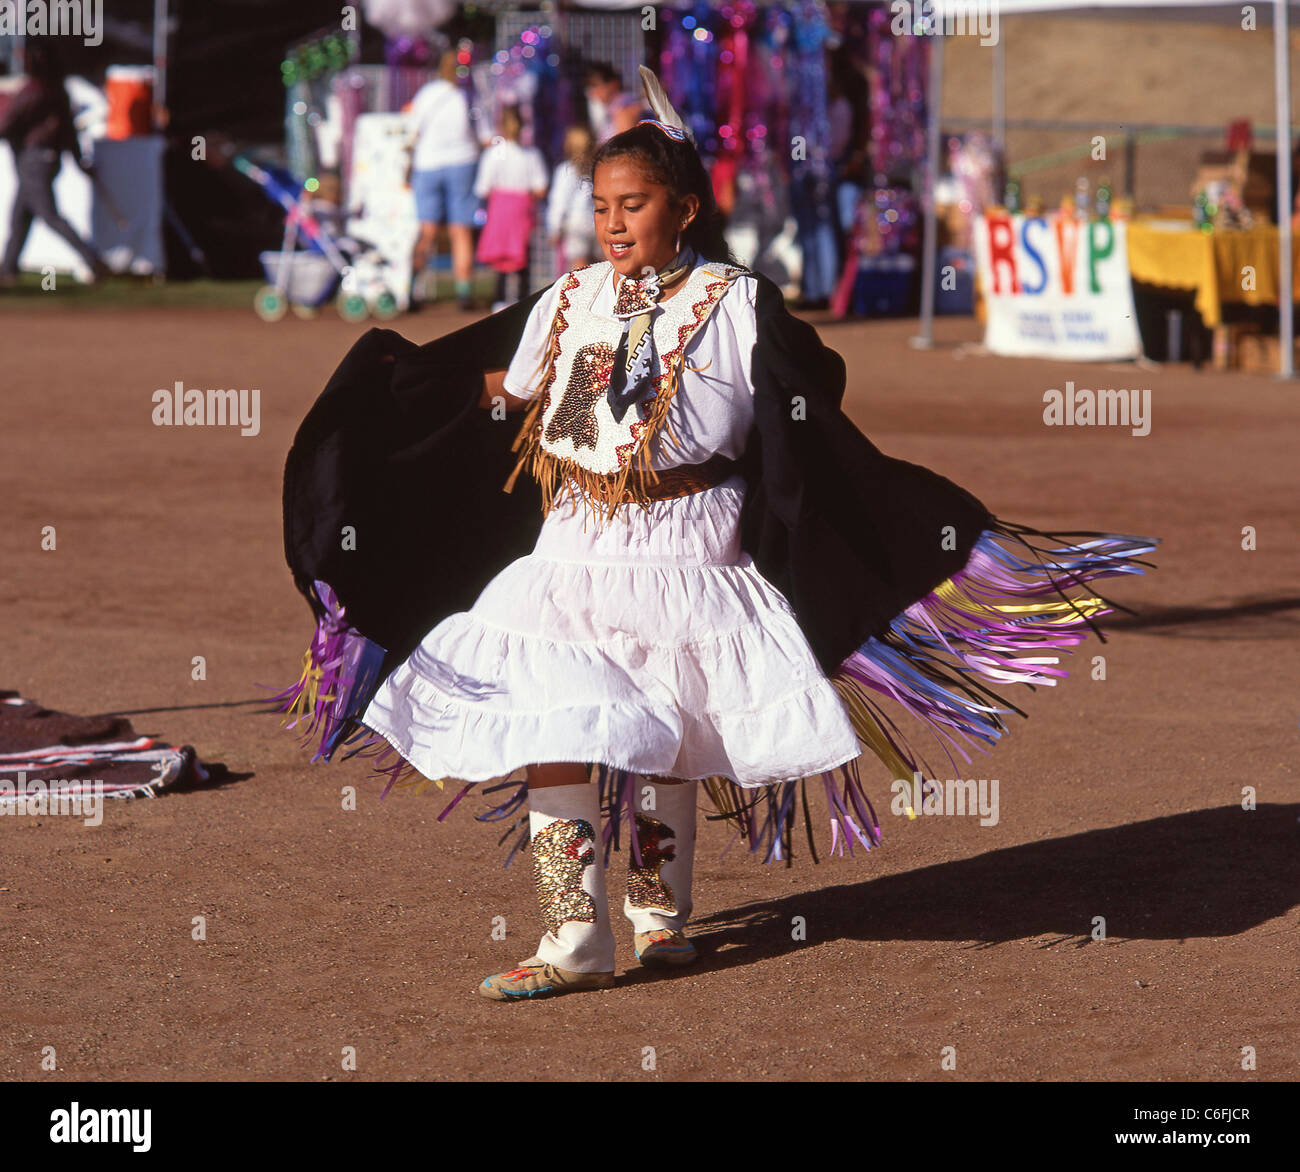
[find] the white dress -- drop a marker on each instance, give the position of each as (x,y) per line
(649,643)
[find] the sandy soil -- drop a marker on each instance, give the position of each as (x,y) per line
(327,928)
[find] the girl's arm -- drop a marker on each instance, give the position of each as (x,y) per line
(494,386)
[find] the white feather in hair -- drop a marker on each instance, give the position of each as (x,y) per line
(657,97)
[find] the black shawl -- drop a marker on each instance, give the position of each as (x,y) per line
(397,448)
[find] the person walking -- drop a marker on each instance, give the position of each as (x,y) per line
(609,109)
(38,126)
(445,152)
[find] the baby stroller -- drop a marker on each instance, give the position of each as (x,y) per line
(304,280)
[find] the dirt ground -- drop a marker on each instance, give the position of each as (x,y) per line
(327,928)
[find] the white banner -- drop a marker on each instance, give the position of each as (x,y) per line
(1056,287)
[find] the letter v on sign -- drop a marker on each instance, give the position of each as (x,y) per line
(1067,244)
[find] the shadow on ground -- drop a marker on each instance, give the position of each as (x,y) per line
(1244,618)
(1215,872)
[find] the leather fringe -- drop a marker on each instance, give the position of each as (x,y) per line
(598,494)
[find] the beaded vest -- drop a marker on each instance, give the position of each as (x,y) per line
(569,437)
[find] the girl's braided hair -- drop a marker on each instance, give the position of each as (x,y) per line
(678,166)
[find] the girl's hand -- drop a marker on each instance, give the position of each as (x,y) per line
(494,388)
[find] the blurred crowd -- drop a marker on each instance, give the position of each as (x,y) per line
(454,171)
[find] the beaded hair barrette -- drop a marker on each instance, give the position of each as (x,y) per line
(665,113)
(671,131)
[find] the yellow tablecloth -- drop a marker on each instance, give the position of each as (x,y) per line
(1209,262)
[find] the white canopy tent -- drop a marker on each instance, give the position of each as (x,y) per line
(964,16)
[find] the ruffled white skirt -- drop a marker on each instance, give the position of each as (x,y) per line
(649,644)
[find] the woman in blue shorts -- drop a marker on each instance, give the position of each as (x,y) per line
(443,165)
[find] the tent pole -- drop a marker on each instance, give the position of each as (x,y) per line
(930,241)
(1000,96)
(161,21)
(1282,82)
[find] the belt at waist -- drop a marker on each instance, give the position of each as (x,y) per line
(682,480)
(687,478)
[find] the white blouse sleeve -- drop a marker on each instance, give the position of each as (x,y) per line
(523,379)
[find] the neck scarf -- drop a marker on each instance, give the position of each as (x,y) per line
(629,381)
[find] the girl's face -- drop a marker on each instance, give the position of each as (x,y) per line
(636,221)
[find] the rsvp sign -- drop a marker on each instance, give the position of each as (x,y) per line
(1056,287)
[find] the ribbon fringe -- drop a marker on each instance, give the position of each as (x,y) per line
(340,672)
(941,655)
(1021,591)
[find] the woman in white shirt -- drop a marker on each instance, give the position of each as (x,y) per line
(643,637)
(443,165)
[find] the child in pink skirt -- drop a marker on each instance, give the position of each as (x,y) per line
(512,178)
